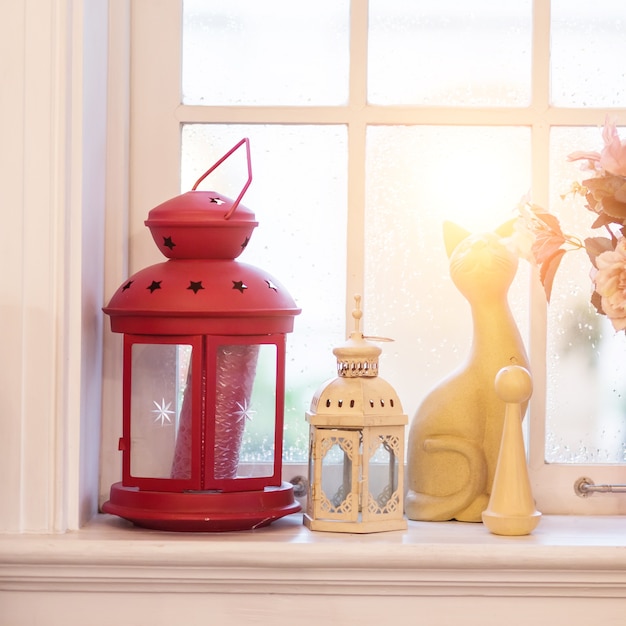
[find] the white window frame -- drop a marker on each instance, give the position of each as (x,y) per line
(155,103)
(53,159)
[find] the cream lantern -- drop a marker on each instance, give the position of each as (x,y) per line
(356,453)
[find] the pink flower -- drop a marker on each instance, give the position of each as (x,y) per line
(612,159)
(610,283)
(592,158)
(613,155)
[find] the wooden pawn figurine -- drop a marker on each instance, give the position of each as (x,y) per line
(511,509)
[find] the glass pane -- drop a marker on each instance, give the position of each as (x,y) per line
(298,195)
(311,474)
(587,52)
(586,387)
(383,475)
(337,474)
(276,52)
(245,410)
(160,411)
(472,176)
(450,52)
(260,420)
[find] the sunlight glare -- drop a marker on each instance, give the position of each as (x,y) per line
(483,190)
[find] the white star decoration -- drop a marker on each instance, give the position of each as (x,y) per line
(244,412)
(163,412)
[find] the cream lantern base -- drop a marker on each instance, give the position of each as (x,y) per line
(361,489)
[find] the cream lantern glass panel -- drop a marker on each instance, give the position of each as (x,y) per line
(160,375)
(382,497)
(336,460)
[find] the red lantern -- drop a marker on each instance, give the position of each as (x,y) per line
(204,373)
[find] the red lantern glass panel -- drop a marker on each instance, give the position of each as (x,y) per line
(159,397)
(245,404)
(163,389)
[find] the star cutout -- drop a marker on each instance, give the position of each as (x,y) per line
(216,200)
(163,412)
(168,243)
(127,285)
(195,285)
(271,285)
(244,412)
(239,285)
(156,284)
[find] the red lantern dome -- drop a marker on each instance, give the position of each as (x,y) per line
(201,225)
(224,313)
(205,290)
(213,296)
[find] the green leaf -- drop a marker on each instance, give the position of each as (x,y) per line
(597,245)
(614,208)
(548,271)
(596,300)
(546,245)
(548,235)
(507,228)
(551,221)
(604,220)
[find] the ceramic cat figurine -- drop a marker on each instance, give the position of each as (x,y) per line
(454,437)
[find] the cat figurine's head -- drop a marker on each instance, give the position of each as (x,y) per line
(480,263)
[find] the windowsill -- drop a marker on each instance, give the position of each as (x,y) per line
(563,556)
(284,574)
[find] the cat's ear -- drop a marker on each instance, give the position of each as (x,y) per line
(507,229)
(453,235)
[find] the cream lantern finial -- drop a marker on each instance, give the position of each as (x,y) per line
(357,313)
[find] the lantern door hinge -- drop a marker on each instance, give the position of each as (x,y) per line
(314,492)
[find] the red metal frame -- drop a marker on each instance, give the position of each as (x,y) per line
(204,378)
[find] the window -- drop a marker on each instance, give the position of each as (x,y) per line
(370,123)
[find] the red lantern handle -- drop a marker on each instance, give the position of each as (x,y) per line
(232,209)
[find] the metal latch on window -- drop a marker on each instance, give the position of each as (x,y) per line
(584,487)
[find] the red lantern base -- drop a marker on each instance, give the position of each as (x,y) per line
(201,511)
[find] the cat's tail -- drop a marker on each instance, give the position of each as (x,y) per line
(437,508)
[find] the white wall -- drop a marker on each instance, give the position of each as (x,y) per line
(52,173)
